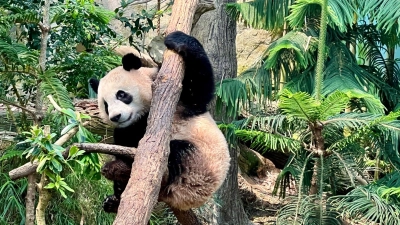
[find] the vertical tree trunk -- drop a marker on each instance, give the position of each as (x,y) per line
(142,191)
(31,192)
(30,200)
(217,32)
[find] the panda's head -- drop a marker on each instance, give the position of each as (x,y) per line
(124,94)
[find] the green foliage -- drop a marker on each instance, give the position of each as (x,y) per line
(375,202)
(268,15)
(340,13)
(308,210)
(385,13)
(12,208)
(299,105)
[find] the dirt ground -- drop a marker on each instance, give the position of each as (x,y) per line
(259,203)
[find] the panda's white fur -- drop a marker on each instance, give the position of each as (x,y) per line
(199,158)
(135,82)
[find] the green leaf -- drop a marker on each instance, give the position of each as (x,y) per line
(57,165)
(333,104)
(69,112)
(62,193)
(50,186)
(68,128)
(42,163)
(299,105)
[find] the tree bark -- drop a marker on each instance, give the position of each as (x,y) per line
(142,191)
(219,40)
(30,200)
(116,150)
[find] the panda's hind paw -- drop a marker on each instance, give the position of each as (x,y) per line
(111,203)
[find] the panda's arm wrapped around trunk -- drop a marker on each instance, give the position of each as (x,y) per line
(199,157)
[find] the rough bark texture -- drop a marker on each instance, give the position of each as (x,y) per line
(187,217)
(43,202)
(219,43)
(30,200)
(143,187)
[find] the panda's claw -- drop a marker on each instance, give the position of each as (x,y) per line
(111,203)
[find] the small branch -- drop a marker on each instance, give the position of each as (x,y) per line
(54,103)
(30,167)
(33,115)
(116,150)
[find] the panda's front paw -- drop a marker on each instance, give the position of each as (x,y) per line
(111,203)
(116,170)
(178,42)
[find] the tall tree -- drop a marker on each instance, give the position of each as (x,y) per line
(217,32)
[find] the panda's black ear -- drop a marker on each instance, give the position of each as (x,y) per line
(131,61)
(94,83)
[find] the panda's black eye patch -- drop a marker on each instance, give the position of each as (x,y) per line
(106,107)
(124,97)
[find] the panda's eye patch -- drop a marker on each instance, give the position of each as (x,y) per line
(124,97)
(106,107)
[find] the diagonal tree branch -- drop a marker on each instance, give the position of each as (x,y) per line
(142,191)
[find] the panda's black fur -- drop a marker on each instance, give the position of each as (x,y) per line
(199,157)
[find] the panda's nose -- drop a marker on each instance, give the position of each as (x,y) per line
(115,118)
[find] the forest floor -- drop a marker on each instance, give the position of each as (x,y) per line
(259,203)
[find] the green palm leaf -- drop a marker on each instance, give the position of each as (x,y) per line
(299,105)
(262,14)
(351,120)
(333,104)
(297,42)
(51,85)
(268,141)
(385,13)
(340,12)
(366,203)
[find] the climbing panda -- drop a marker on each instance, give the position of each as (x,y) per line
(199,157)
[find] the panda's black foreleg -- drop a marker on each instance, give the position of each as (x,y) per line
(111,202)
(198,83)
(119,172)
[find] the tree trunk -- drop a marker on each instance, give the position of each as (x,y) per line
(30,200)
(143,187)
(217,32)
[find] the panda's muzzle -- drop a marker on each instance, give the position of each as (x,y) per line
(115,118)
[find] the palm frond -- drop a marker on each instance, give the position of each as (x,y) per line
(261,14)
(51,85)
(268,141)
(270,123)
(373,54)
(385,13)
(351,120)
(16,54)
(299,105)
(333,104)
(308,211)
(340,13)
(300,44)
(343,73)
(365,202)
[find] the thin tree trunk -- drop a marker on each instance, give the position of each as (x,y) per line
(44,199)
(30,200)
(31,192)
(143,187)
(217,31)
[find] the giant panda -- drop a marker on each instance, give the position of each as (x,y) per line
(199,157)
